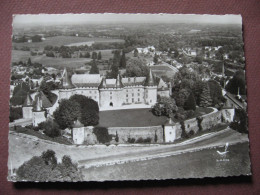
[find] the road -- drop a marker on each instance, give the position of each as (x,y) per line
(23,148)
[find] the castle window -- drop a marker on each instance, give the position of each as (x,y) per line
(138,99)
(111,97)
(90,91)
(126,95)
(150,101)
(138,89)
(126,100)
(133,94)
(95,97)
(127,90)
(133,100)
(138,94)
(111,93)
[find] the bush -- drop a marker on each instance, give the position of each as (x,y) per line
(51,128)
(15,113)
(191,133)
(199,120)
(183,132)
(142,140)
(131,140)
(102,134)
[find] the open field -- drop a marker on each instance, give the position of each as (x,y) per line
(138,117)
(163,70)
(65,40)
(203,163)
(130,118)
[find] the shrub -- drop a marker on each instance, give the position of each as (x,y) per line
(155,137)
(51,128)
(116,138)
(131,140)
(102,134)
(142,140)
(183,132)
(15,113)
(190,103)
(191,133)
(199,120)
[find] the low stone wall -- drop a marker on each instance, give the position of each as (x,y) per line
(124,133)
(206,122)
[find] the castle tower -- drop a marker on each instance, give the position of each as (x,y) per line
(78,133)
(170,133)
(27,107)
(38,112)
(150,89)
(67,87)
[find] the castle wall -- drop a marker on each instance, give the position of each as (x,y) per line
(134,94)
(91,92)
(124,133)
(27,112)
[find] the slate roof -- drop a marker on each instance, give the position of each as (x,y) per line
(86,80)
(45,101)
(132,81)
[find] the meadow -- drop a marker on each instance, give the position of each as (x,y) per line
(64,40)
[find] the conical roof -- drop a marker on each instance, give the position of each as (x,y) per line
(28,101)
(78,124)
(119,83)
(66,82)
(169,122)
(103,83)
(150,79)
(45,101)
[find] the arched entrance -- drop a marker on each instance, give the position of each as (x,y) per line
(111,104)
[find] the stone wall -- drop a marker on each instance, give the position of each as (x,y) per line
(124,133)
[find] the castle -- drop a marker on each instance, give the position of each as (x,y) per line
(106,92)
(114,92)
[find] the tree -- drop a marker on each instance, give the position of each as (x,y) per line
(94,55)
(205,98)
(155,58)
(135,53)
(99,56)
(238,81)
(45,168)
(87,55)
(49,157)
(67,113)
(94,69)
(215,92)
(114,72)
(136,68)
(116,138)
(29,62)
(165,106)
(190,103)
(102,134)
(181,97)
(36,38)
(89,110)
(116,58)
(123,61)
(51,128)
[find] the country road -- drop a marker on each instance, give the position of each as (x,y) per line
(22,149)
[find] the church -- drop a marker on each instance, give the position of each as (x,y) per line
(114,92)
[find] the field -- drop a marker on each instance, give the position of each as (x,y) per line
(204,163)
(137,117)
(164,70)
(64,40)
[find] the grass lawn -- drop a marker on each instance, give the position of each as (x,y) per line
(138,117)
(60,139)
(130,118)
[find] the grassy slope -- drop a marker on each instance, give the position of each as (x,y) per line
(204,163)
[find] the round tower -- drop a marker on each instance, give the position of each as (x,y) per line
(38,112)
(150,89)
(27,107)
(66,90)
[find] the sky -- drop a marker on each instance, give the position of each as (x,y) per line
(52,19)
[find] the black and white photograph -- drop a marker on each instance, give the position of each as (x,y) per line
(112,97)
